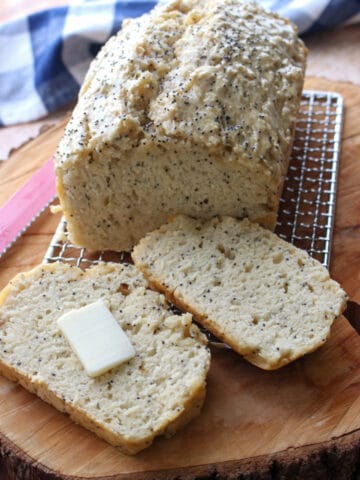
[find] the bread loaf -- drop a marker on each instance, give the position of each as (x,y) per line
(189,109)
(270,301)
(155,393)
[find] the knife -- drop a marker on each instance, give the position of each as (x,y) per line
(26,205)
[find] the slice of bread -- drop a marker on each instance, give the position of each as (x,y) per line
(270,301)
(155,393)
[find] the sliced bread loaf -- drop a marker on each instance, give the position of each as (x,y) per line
(189,109)
(268,300)
(156,392)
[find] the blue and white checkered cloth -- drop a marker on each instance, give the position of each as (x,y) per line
(44,56)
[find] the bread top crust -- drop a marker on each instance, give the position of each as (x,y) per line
(225,74)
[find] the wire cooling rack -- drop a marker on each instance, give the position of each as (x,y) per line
(307,207)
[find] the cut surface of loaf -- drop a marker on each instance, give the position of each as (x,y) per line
(270,301)
(156,392)
(189,109)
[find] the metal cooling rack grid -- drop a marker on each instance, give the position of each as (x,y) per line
(307,207)
(61,249)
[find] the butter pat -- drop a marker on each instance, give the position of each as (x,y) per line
(96,338)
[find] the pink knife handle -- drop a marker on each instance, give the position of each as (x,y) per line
(26,204)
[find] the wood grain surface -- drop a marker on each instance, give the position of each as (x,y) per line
(299,422)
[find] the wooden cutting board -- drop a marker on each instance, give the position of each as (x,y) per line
(302,421)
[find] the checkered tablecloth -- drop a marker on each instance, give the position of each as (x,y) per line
(44,56)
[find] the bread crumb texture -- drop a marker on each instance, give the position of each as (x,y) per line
(270,301)
(156,392)
(189,109)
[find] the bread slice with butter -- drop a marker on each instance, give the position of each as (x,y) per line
(270,301)
(156,392)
